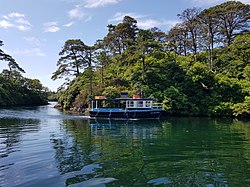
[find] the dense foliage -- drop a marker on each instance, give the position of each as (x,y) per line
(200,67)
(16,89)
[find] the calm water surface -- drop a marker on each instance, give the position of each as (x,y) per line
(40,146)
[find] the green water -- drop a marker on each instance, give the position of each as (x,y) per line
(40,146)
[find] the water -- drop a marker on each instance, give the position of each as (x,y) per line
(40,146)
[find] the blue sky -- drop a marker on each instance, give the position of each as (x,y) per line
(34,31)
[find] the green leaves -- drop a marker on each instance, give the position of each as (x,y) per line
(75,56)
(19,90)
(188,69)
(176,102)
(206,30)
(242,109)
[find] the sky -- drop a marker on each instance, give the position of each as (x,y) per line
(34,31)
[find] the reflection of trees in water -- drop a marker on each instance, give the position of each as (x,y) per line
(201,151)
(241,133)
(80,146)
(11,131)
(182,152)
(73,149)
(187,152)
(233,150)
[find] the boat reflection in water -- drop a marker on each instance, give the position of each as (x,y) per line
(142,129)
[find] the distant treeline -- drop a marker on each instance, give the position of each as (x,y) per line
(200,67)
(17,90)
(12,93)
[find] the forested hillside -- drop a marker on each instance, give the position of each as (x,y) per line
(200,67)
(17,90)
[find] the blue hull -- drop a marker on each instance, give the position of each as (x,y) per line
(129,114)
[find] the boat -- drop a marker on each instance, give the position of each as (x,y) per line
(125,108)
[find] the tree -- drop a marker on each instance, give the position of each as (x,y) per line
(72,59)
(189,68)
(233,60)
(234,18)
(103,61)
(13,66)
(209,24)
(242,109)
(121,36)
(189,18)
(34,85)
(127,30)
(178,39)
(147,45)
(89,59)
(159,36)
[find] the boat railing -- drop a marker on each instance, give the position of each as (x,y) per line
(157,105)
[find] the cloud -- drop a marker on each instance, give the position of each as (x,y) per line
(33,40)
(15,20)
(245,1)
(68,24)
(16,15)
(51,27)
(5,24)
(118,17)
(78,13)
(150,23)
(99,3)
(170,23)
(29,52)
(143,21)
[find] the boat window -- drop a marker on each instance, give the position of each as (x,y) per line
(131,104)
(140,104)
(148,103)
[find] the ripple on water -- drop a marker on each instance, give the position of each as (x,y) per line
(160,181)
(94,182)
